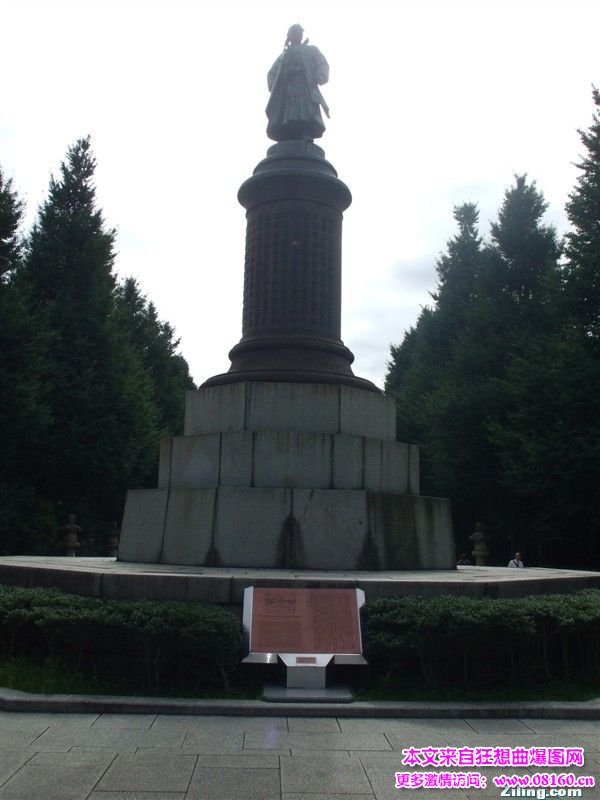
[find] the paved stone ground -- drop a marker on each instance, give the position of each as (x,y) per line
(45,756)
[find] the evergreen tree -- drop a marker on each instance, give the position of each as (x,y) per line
(26,519)
(22,411)
(11,213)
(549,441)
(418,363)
(103,431)
(583,242)
(458,268)
(154,340)
(449,371)
(548,446)
(521,280)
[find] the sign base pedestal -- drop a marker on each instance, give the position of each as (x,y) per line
(285,694)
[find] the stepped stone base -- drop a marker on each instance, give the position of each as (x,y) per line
(288,476)
(287,528)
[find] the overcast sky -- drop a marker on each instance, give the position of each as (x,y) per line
(432,104)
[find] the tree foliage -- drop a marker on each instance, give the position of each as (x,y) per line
(155,341)
(91,377)
(583,241)
(460,376)
(26,517)
(103,425)
(499,380)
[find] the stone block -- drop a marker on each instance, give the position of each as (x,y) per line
(167,586)
(348,462)
(86,582)
(386,466)
(278,406)
(411,532)
(195,461)
(215,409)
(251,526)
(307,407)
(285,459)
(330,528)
(237,448)
(188,526)
(367,414)
(164,463)
(414,469)
(143,525)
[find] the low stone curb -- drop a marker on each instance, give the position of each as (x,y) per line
(14,700)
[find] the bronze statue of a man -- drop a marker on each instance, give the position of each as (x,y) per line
(294,108)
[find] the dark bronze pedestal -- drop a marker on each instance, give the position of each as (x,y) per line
(292,278)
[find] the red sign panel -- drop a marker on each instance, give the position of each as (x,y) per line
(305,621)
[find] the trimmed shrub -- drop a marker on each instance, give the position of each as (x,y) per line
(145,639)
(460,640)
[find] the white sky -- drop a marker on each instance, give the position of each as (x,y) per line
(433,104)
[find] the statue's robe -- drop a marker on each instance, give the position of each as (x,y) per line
(294,108)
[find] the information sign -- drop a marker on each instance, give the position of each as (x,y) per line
(303,622)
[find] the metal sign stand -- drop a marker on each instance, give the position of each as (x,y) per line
(309,618)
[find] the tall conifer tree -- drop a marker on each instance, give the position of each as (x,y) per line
(26,519)
(103,431)
(155,341)
(489,299)
(583,242)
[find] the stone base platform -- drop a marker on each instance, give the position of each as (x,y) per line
(288,476)
(108,578)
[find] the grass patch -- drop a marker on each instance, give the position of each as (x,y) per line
(51,677)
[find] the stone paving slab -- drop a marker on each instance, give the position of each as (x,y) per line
(20,741)
(562,726)
(228,758)
(206,742)
(234,784)
(136,796)
(240,760)
(313,724)
(148,773)
(516,740)
(119,738)
(206,724)
(592,740)
(318,741)
(296,796)
(412,727)
(122,721)
(76,755)
(493,726)
(11,761)
(61,782)
(16,720)
(336,776)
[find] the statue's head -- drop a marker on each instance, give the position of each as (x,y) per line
(294,35)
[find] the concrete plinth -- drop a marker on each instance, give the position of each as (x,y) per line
(302,407)
(106,577)
(277,475)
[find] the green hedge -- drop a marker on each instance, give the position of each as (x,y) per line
(446,641)
(484,642)
(147,640)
